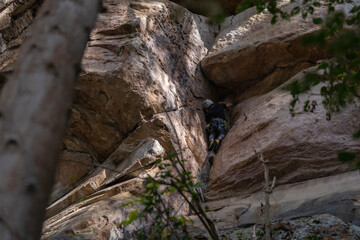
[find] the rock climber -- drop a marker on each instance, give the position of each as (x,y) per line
(216,122)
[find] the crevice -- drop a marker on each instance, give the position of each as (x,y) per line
(231,21)
(130,175)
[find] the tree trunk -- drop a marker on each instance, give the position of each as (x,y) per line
(33,113)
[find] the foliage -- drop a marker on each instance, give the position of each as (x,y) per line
(314,237)
(348,157)
(340,76)
(260,233)
(156,202)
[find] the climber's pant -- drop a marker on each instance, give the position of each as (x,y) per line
(217,129)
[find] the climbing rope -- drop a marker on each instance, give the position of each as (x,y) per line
(200,175)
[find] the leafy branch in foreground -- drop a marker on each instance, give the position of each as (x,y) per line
(340,36)
(157,208)
(340,76)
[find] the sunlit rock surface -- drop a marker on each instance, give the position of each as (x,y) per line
(139,97)
(338,195)
(141,60)
(251,56)
(299,148)
(141,79)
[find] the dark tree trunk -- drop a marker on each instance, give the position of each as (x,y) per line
(33,113)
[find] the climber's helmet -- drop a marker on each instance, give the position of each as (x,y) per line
(207,103)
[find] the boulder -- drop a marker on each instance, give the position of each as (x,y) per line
(299,148)
(338,195)
(97,217)
(141,60)
(107,173)
(251,56)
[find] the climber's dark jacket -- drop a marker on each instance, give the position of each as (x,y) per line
(216,111)
(216,120)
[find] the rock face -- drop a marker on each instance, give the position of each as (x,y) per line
(299,148)
(141,79)
(338,195)
(322,226)
(251,56)
(141,60)
(139,97)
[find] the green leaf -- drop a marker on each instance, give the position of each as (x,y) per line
(260,6)
(171,155)
(310,10)
(285,15)
(324,65)
(357,134)
(324,91)
(304,14)
(273,19)
(243,6)
(83,199)
(127,204)
(318,20)
(73,179)
(295,11)
(293,103)
(351,21)
(346,156)
(306,106)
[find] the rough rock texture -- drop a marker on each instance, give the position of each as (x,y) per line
(299,148)
(15,18)
(142,59)
(322,226)
(140,79)
(139,96)
(338,195)
(251,56)
(87,220)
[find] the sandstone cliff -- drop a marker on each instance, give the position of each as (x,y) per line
(146,70)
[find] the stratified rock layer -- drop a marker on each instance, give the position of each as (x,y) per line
(140,81)
(139,97)
(251,56)
(142,59)
(299,148)
(338,195)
